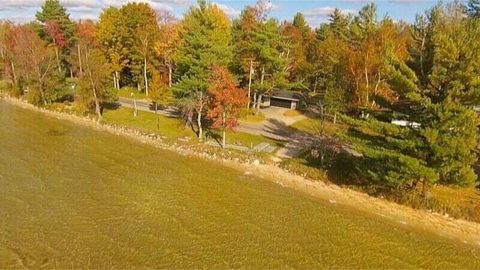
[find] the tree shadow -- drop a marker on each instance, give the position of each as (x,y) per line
(213,135)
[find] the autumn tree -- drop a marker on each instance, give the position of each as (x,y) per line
(36,60)
(165,46)
(94,83)
(440,147)
(300,40)
(7,54)
(225,100)
(260,45)
(57,28)
(112,37)
(85,33)
(205,40)
(54,31)
(158,90)
(141,31)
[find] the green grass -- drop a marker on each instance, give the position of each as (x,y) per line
(127,93)
(253,118)
(246,139)
(174,128)
(312,126)
(171,128)
(250,116)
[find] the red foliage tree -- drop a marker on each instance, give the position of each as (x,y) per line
(225,101)
(57,35)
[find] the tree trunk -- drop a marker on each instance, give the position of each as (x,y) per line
(14,75)
(422,70)
(158,118)
(58,59)
(80,68)
(170,71)
(145,75)
(224,134)
(263,76)
(42,93)
(259,103)
(199,117)
(335,118)
(367,82)
(117,76)
(114,81)
(188,120)
(97,104)
(250,83)
(224,139)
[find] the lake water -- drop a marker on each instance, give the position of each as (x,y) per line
(72,197)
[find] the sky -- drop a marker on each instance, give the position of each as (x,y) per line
(315,11)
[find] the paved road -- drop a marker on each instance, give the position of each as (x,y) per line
(146,106)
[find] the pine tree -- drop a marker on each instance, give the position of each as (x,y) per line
(473,8)
(57,29)
(205,40)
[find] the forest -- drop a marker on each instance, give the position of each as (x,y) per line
(365,71)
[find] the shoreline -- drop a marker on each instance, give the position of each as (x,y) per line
(399,215)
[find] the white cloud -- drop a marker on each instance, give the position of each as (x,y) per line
(229,11)
(320,15)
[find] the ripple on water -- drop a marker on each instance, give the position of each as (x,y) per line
(105,201)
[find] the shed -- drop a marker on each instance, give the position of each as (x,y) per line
(284,99)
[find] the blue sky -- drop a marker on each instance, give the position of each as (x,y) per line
(316,11)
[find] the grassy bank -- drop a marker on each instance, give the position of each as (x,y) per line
(341,169)
(174,128)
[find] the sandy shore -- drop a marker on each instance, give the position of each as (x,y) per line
(399,215)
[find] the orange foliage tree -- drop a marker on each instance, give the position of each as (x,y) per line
(226,99)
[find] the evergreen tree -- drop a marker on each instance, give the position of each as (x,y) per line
(205,41)
(473,8)
(57,29)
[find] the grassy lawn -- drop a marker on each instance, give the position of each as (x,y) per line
(174,128)
(171,128)
(252,118)
(126,93)
(248,115)
(312,126)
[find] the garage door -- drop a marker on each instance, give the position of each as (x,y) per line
(280,103)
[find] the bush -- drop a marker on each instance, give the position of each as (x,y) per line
(12,90)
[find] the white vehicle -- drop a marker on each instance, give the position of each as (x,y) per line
(405,123)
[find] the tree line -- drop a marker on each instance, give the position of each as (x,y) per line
(425,72)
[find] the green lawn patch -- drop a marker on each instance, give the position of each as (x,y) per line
(171,128)
(312,126)
(127,93)
(174,128)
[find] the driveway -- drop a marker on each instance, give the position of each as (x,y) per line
(276,113)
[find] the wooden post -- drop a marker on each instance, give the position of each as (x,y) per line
(250,83)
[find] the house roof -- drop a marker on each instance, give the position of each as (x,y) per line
(286,95)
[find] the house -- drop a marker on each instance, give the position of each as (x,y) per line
(282,98)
